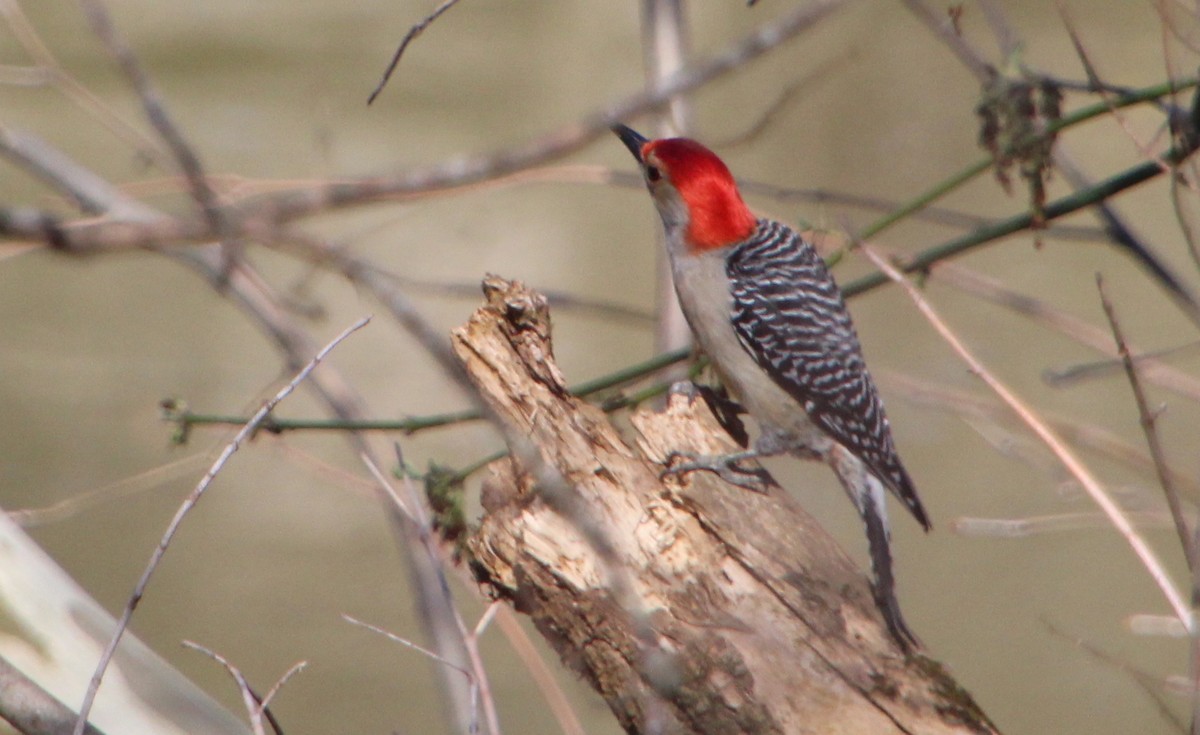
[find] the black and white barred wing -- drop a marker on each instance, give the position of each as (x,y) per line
(789,315)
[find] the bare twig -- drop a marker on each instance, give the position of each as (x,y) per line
(256,707)
(296,668)
(788,95)
(156,113)
(1155,625)
(23,31)
(1023,527)
(477,675)
(666,45)
(1099,87)
(409,644)
(1147,683)
(482,682)
(416,513)
(188,503)
(929,213)
(409,37)
(558,142)
(1123,235)
(467,673)
(555,698)
(1093,487)
(1087,436)
(30,708)
(947,34)
(141,482)
(1007,40)
(470,639)
(249,698)
(89,191)
(980,286)
(1148,417)
(1078,372)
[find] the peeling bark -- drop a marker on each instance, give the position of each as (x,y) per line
(707,608)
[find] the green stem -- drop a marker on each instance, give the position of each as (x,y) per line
(275,425)
(462,474)
(1083,114)
(1058,208)
(186,419)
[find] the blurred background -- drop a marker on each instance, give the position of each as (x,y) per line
(272,94)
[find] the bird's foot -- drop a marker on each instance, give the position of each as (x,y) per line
(728,467)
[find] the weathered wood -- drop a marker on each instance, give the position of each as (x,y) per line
(712,609)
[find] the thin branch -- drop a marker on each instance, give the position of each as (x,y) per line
(141,482)
(31,709)
(409,644)
(188,503)
(1058,208)
(1079,330)
(556,143)
(1144,624)
(1123,236)
(184,418)
(255,706)
(1038,525)
(89,191)
(945,31)
(1007,40)
(1148,417)
(179,414)
(470,640)
(23,31)
(409,37)
(477,676)
(1086,436)
(789,94)
(1093,487)
(1194,658)
(156,113)
(416,513)
(472,682)
(927,213)
(1147,683)
(296,668)
(543,677)
(1012,224)
(1082,371)
(1102,89)
(666,45)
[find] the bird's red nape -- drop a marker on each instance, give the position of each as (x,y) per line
(718,215)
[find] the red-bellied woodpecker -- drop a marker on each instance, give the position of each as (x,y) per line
(766,311)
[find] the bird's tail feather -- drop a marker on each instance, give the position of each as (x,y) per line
(869,496)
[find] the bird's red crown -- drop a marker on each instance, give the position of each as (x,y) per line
(717,214)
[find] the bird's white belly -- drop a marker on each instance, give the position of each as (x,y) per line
(697,279)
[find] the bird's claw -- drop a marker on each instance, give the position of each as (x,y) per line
(728,467)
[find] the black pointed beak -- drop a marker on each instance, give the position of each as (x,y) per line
(632,139)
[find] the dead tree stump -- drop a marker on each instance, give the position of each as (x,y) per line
(691,605)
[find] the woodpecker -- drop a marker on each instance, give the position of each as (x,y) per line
(770,317)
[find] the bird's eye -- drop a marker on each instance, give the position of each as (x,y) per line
(653,175)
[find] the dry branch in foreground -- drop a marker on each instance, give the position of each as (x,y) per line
(703,608)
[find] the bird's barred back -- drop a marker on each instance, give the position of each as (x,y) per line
(789,314)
